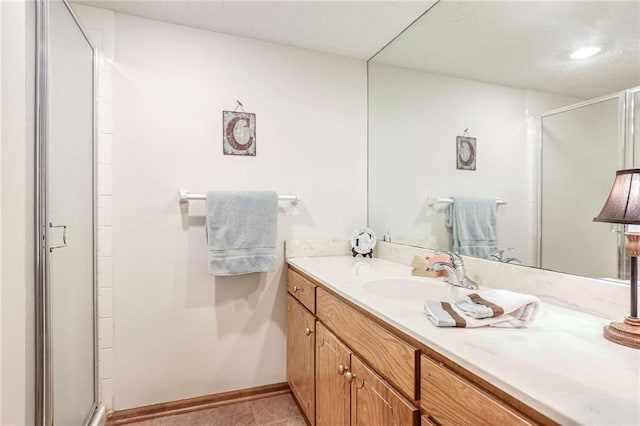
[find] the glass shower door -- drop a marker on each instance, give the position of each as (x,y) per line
(70,205)
(582,147)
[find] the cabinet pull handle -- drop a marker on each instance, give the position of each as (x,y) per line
(295,288)
(349,376)
(342,369)
(307,331)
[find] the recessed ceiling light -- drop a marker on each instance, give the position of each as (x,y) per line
(585,52)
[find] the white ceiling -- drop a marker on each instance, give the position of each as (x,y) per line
(351,28)
(522,44)
(526,44)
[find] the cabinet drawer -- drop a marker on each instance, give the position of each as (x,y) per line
(448,399)
(302,289)
(394,359)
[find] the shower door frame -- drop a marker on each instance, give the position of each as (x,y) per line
(626,154)
(43,372)
(632,160)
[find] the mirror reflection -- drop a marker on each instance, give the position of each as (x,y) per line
(496,128)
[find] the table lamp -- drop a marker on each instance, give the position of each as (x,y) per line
(623,206)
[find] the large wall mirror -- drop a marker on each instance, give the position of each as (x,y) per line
(531,104)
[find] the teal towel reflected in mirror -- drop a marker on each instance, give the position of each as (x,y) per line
(472,222)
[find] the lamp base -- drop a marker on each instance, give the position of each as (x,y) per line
(625,333)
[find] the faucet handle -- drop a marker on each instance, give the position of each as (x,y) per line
(448,253)
(496,254)
(456,259)
(452,277)
(499,256)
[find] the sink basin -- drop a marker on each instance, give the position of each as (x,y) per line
(410,290)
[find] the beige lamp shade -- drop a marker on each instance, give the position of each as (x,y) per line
(623,204)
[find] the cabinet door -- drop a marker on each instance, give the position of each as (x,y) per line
(332,389)
(394,358)
(374,402)
(300,355)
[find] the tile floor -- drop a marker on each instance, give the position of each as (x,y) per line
(275,411)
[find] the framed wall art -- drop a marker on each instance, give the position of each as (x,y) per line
(239,133)
(465,153)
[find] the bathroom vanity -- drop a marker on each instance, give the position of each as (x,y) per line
(361,351)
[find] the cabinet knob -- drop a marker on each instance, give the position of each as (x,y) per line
(342,369)
(295,288)
(349,376)
(307,331)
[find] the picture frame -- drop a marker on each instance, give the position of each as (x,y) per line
(465,153)
(238,133)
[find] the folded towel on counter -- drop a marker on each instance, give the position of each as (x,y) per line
(495,308)
(473,226)
(241,231)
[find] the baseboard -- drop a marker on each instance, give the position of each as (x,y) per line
(163,409)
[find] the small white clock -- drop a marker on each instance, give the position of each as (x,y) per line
(363,240)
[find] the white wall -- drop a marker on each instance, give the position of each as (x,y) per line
(16,216)
(414,118)
(1,199)
(178,332)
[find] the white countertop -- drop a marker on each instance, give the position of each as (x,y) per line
(561,365)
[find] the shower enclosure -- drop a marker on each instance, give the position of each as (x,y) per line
(66,391)
(582,145)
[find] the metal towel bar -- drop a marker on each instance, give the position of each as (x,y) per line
(185,197)
(431,201)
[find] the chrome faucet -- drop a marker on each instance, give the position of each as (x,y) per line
(456,261)
(499,256)
(456,274)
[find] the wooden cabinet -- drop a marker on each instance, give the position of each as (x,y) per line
(395,359)
(348,392)
(333,360)
(374,402)
(448,399)
(345,368)
(300,355)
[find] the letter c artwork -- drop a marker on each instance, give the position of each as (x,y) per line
(239,130)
